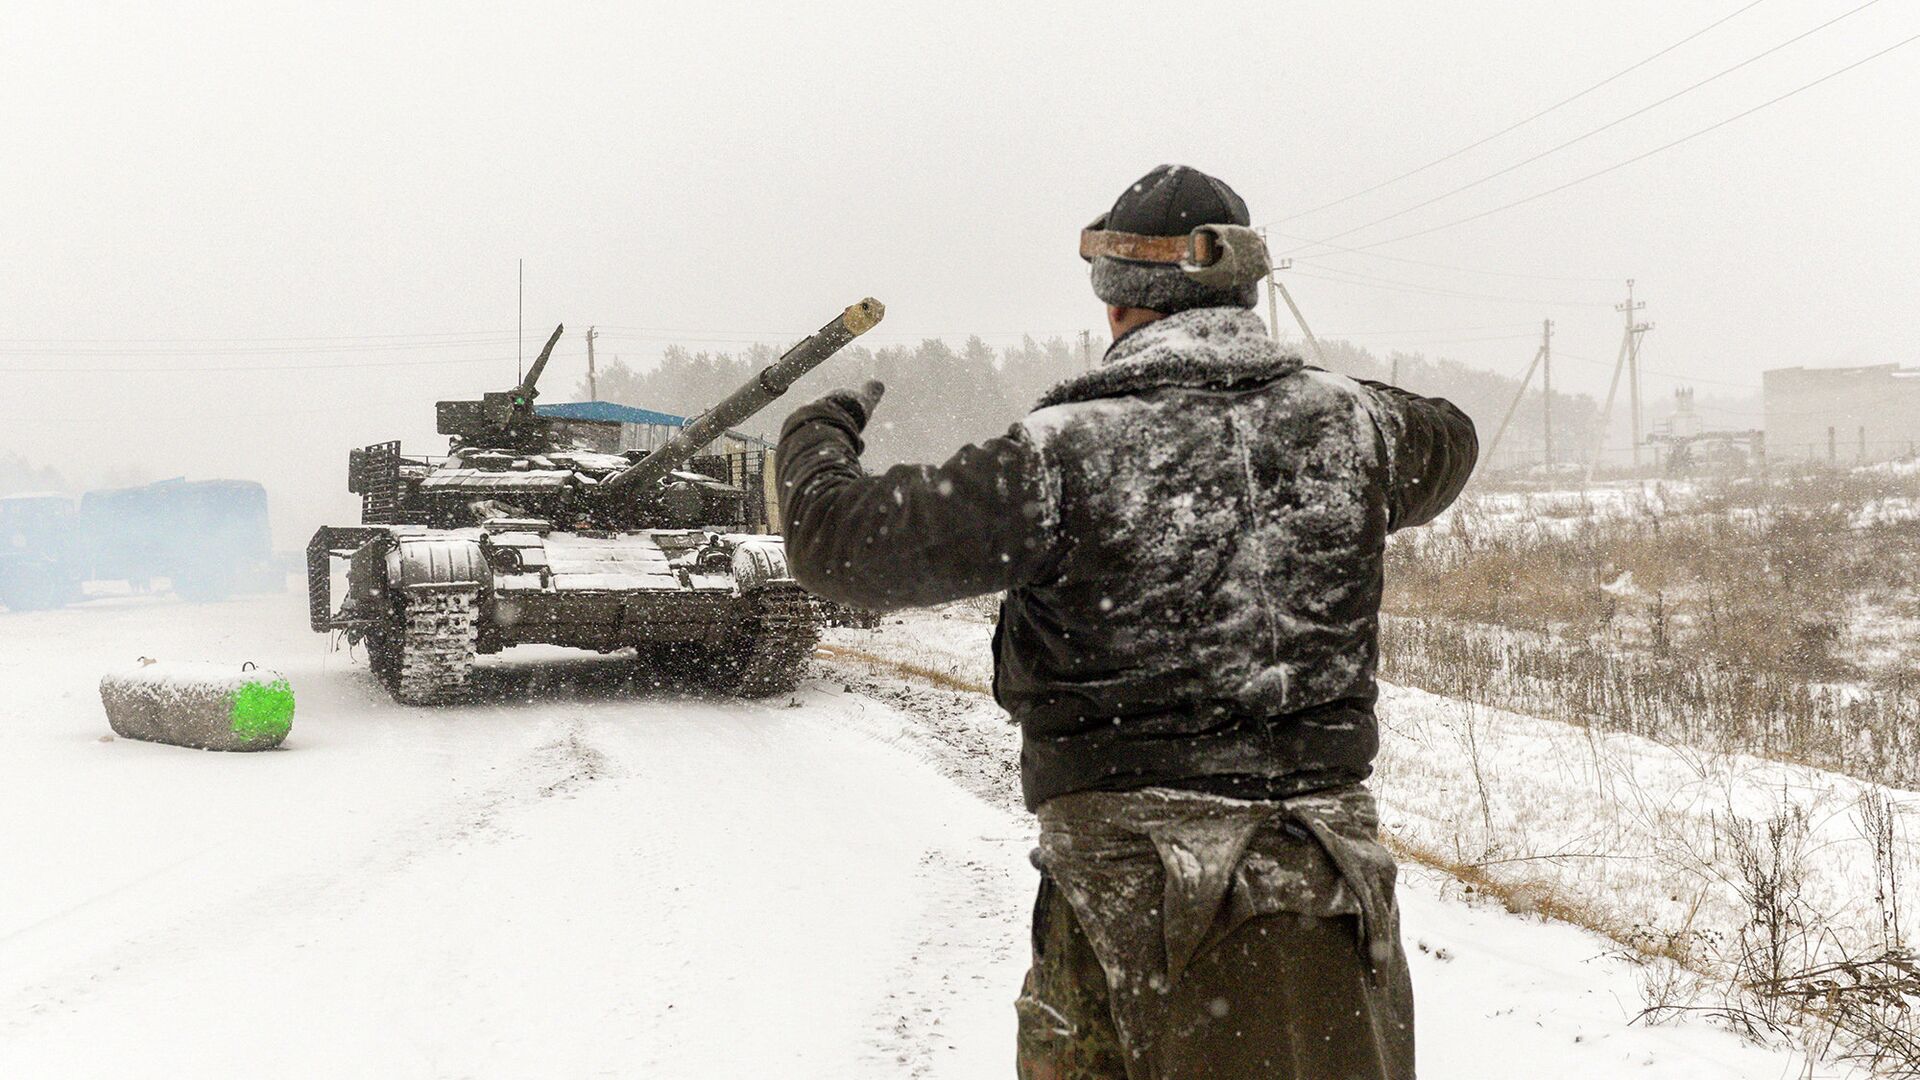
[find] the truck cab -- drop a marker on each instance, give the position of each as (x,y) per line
(42,560)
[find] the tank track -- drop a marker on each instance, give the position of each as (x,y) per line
(771,657)
(426,656)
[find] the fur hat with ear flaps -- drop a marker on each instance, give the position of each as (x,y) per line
(1169,201)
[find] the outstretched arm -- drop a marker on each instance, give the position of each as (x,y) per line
(1432,447)
(917,534)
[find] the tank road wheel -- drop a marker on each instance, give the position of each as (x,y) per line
(769,654)
(424,654)
(672,664)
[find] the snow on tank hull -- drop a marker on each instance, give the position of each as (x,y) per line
(620,589)
(427,600)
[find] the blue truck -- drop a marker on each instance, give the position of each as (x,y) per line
(42,558)
(207,538)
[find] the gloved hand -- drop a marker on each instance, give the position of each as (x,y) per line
(860,402)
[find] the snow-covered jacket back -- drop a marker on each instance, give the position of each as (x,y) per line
(1191,539)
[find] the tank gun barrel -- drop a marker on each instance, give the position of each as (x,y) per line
(526,391)
(759,392)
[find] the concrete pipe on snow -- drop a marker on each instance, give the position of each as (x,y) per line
(201,705)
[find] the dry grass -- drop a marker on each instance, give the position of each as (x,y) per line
(1768,590)
(1522,895)
(1725,623)
(1672,697)
(877,664)
(1776,978)
(1723,619)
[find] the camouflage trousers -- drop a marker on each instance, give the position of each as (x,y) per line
(1180,936)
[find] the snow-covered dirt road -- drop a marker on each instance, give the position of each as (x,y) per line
(588,883)
(586,877)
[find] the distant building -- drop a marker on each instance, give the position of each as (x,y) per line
(1682,445)
(1842,414)
(1682,422)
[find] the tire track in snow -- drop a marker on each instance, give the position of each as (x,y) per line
(965,736)
(970,929)
(556,767)
(974,921)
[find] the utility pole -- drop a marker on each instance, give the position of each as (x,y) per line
(593,387)
(1627,360)
(1086,348)
(1273,305)
(1633,333)
(520,350)
(1520,394)
(1546,385)
(1606,411)
(1273,282)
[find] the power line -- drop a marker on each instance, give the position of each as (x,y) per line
(1662,372)
(1603,127)
(1429,330)
(1521,123)
(1365,281)
(6,350)
(1423,341)
(1340,249)
(138,370)
(668,333)
(227,340)
(43,351)
(83,347)
(136,417)
(1364,276)
(1647,154)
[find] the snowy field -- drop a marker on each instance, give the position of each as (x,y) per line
(1633,827)
(582,877)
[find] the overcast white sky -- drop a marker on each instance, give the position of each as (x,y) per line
(195,185)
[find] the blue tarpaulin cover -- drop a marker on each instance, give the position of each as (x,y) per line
(628,414)
(609,410)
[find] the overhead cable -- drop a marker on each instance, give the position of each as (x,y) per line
(1520,123)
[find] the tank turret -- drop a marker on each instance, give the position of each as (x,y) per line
(505,419)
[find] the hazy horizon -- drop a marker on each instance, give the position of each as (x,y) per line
(273,191)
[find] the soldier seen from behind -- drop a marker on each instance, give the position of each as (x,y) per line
(1190,538)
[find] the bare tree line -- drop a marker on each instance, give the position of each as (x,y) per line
(940,397)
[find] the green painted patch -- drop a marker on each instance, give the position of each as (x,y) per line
(263,710)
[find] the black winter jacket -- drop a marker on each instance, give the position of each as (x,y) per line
(1190,537)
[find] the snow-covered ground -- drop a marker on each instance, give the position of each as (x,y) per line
(584,877)
(1644,838)
(1637,829)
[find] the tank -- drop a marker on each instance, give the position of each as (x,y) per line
(530,532)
